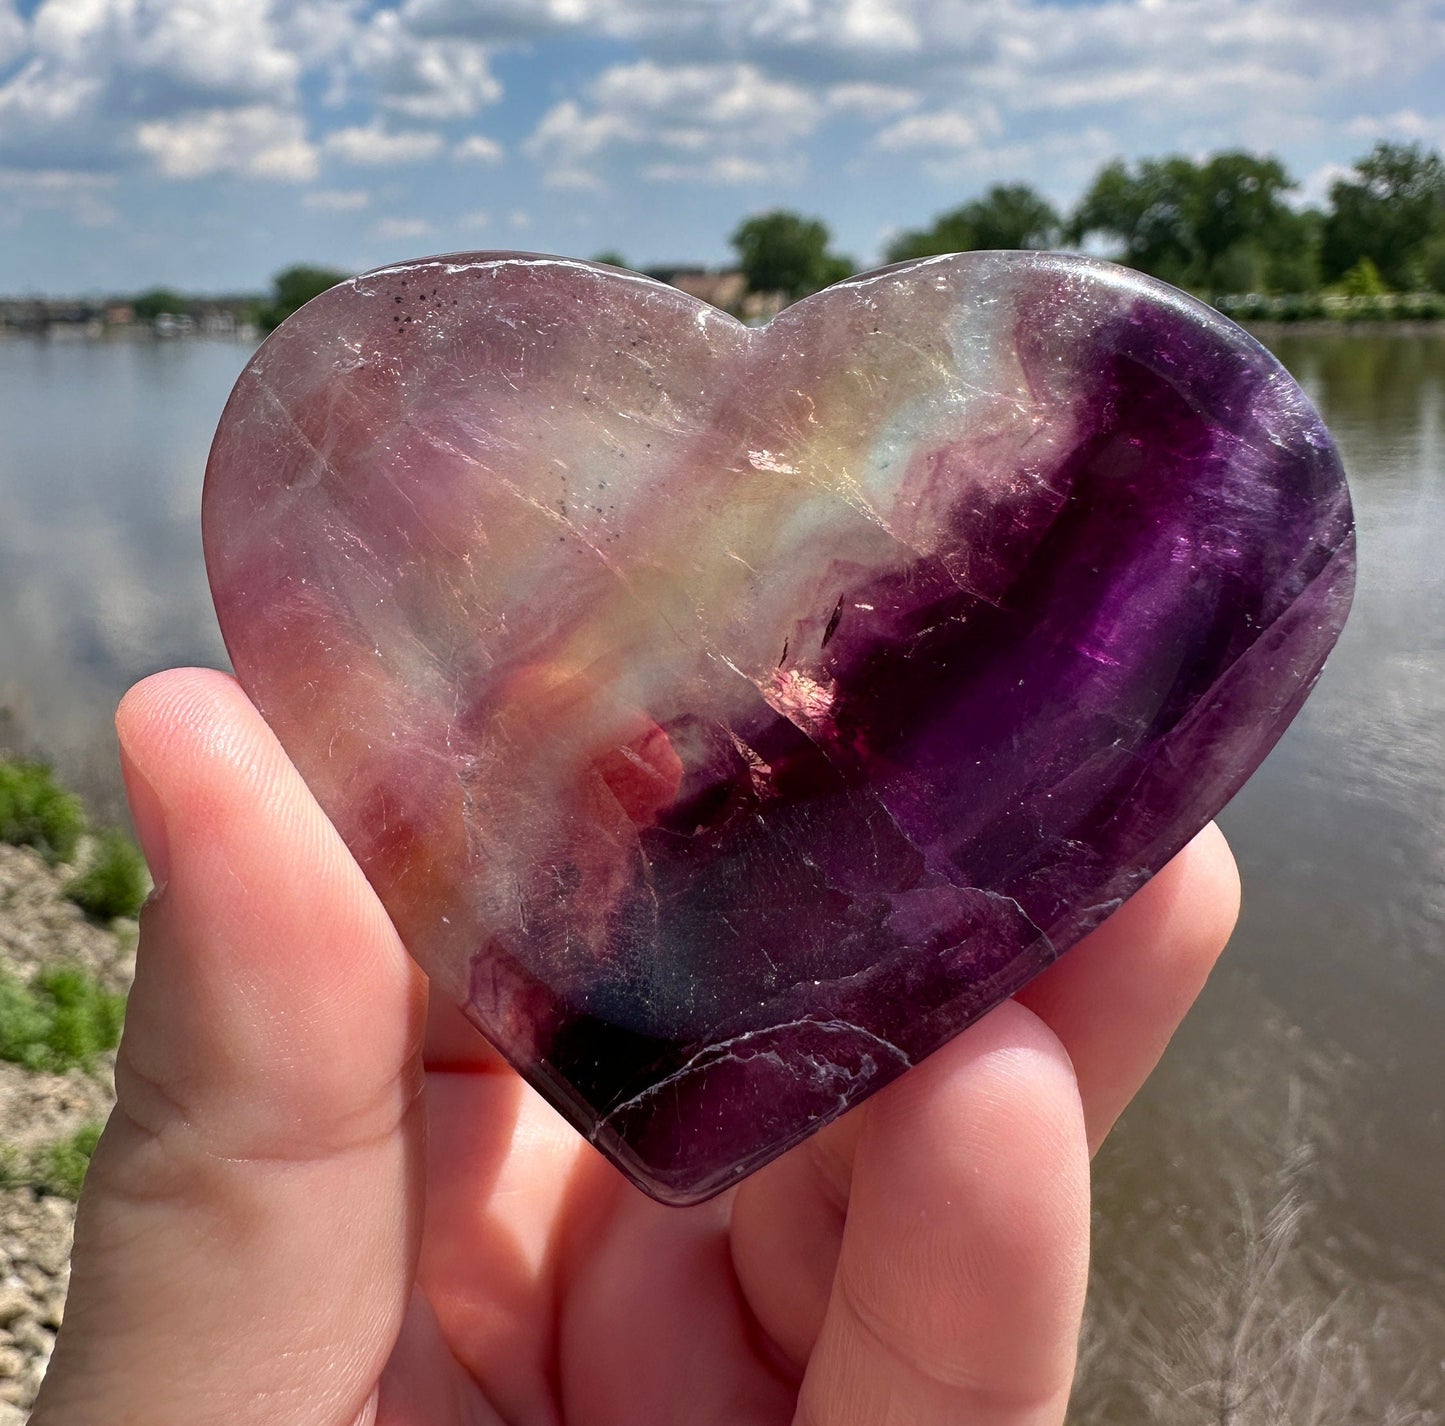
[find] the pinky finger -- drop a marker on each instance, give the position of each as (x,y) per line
(959,1288)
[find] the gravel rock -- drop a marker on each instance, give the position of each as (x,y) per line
(39,928)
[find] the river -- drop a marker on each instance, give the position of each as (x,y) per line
(1305,1098)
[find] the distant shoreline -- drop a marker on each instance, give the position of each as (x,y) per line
(1356,326)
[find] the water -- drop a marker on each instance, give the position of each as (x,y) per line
(1314,1069)
(1342,834)
(102,446)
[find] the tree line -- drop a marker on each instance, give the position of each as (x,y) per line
(1218,225)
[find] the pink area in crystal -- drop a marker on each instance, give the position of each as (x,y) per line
(729,717)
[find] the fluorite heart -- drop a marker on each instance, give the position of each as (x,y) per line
(728,717)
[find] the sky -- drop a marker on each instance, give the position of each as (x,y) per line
(204,144)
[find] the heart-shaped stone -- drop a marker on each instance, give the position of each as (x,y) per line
(728,717)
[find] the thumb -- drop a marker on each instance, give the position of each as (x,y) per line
(248,1232)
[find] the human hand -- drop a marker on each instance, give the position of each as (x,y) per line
(320,1203)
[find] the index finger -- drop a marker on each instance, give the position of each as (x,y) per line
(1116,998)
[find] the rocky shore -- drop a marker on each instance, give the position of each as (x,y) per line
(40,929)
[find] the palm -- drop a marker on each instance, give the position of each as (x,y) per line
(550,1290)
(306,1189)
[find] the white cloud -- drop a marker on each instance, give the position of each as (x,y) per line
(434,80)
(336,200)
(1314,189)
(13,34)
(872,101)
(702,30)
(500,19)
(317,32)
(101,81)
(729,170)
(1199,56)
(723,92)
(869,26)
(946,129)
(216,50)
(83,197)
(403,229)
(257,142)
(703,120)
(477,148)
(373,143)
(1409,125)
(1060,162)
(566,134)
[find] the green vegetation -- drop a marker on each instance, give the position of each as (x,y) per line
(35,811)
(158,302)
(61,1020)
(292,289)
(785,252)
(56,1168)
(1391,211)
(1007,216)
(1228,227)
(1223,226)
(114,882)
(1334,305)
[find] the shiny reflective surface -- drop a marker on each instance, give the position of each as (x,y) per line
(728,717)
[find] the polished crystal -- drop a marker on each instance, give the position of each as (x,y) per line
(728,717)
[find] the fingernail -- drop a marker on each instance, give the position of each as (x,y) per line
(149,816)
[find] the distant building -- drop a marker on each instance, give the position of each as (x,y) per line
(226,317)
(727,289)
(723,289)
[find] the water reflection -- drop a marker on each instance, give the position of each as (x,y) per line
(1308,1089)
(102,447)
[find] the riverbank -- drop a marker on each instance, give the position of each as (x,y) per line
(1271,331)
(50,1111)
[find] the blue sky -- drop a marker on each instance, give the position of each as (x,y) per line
(207,143)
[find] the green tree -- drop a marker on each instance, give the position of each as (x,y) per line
(1146,211)
(293,288)
(1363,280)
(610,258)
(1295,264)
(1432,263)
(786,252)
(1219,225)
(1390,210)
(155,301)
(1009,215)
(1239,205)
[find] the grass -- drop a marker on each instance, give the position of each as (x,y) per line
(114,882)
(35,811)
(56,1168)
(64,1018)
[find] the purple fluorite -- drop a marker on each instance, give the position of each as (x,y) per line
(727,718)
